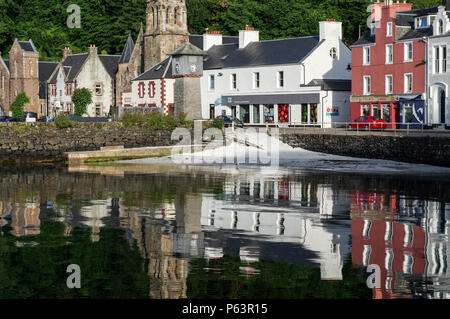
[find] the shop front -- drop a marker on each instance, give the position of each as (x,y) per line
(385,108)
(274,109)
(412,112)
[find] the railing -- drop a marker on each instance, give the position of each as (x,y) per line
(351,128)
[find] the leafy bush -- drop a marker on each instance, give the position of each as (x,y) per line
(216,123)
(18,104)
(62,121)
(81,98)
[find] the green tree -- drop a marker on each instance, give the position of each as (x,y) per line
(18,104)
(81,98)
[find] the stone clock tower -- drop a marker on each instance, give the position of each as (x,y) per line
(166,29)
(187,69)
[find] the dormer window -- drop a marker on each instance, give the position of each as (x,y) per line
(421,22)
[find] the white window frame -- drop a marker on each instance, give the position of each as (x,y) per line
(233,81)
(389,87)
(389,28)
(280,80)
(256,80)
(419,19)
(439,60)
(405,77)
(391,56)
(365,82)
(406,51)
(212,82)
(366,55)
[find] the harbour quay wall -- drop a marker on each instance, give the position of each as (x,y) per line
(431,150)
(23,143)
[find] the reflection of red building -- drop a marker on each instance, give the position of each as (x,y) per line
(365,203)
(396,248)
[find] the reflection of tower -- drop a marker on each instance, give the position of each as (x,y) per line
(95,213)
(188,237)
(25,220)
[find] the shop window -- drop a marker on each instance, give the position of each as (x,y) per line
(304,113)
(245,113)
(283,113)
(387,112)
(408,114)
(269,110)
(256,114)
(313,113)
(376,111)
(365,110)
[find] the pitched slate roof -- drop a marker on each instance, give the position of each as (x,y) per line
(332,84)
(187,49)
(27,46)
(127,50)
(197,40)
(111,63)
(73,64)
(162,70)
(272,52)
(46,69)
(5,63)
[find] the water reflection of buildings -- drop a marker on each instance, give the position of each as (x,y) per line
(24,218)
(289,222)
(415,245)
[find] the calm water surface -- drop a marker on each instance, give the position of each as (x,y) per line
(196,233)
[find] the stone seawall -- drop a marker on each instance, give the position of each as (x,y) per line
(22,142)
(420,150)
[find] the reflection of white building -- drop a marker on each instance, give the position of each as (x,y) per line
(437,248)
(282,212)
(94,213)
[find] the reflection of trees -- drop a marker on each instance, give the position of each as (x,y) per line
(224,279)
(110,268)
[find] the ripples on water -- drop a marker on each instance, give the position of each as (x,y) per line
(206,234)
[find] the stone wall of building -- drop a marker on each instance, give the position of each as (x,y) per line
(40,142)
(420,150)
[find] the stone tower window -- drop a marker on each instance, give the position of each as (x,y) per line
(175,16)
(31,68)
(16,69)
(153,15)
(167,15)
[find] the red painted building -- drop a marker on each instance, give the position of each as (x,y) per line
(389,64)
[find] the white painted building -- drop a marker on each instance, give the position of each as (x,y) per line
(87,70)
(439,70)
(296,81)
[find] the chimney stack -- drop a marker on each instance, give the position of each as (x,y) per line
(247,36)
(67,51)
(210,39)
(93,50)
(330,29)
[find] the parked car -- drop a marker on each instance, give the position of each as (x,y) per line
(30,116)
(367,122)
(229,120)
(4,118)
(45,119)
